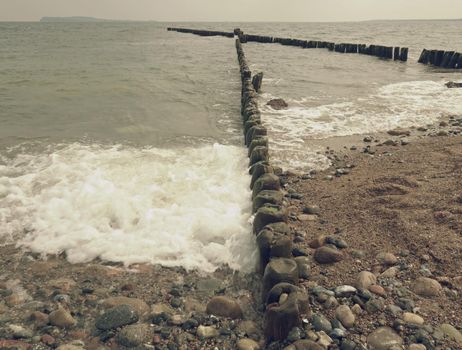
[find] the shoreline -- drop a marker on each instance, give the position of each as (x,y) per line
(344,212)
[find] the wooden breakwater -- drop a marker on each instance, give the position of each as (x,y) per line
(441,58)
(202,32)
(285,302)
(387,52)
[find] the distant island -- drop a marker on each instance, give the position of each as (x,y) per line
(74,19)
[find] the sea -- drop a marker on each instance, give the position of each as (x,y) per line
(122,141)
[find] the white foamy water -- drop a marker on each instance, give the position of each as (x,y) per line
(403,105)
(185,207)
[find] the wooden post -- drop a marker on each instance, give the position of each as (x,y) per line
(404,53)
(453,61)
(447,58)
(257,81)
(439,58)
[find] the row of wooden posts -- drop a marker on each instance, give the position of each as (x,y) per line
(381,51)
(285,302)
(202,32)
(440,58)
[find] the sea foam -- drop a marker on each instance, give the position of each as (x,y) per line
(404,104)
(185,207)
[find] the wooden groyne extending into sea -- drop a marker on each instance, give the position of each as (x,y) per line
(284,301)
(441,58)
(380,51)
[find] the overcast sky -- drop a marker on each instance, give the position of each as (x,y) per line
(235,10)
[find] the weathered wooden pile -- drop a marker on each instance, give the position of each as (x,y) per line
(285,302)
(202,32)
(441,58)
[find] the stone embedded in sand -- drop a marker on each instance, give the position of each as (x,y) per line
(62,318)
(345,291)
(116,317)
(344,314)
(417,347)
(64,285)
(224,307)
(387,259)
(137,304)
(321,323)
(378,290)
(317,242)
(426,287)
(411,318)
(451,332)
(206,332)
(247,344)
(133,335)
(327,255)
(277,104)
(399,132)
(383,338)
(365,279)
(390,272)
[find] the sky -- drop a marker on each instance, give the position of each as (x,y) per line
(236,10)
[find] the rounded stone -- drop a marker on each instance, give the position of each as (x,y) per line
(133,335)
(321,323)
(138,305)
(206,332)
(451,332)
(378,290)
(247,344)
(384,338)
(426,287)
(365,279)
(62,318)
(328,255)
(345,291)
(411,318)
(417,347)
(387,259)
(224,307)
(116,317)
(344,314)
